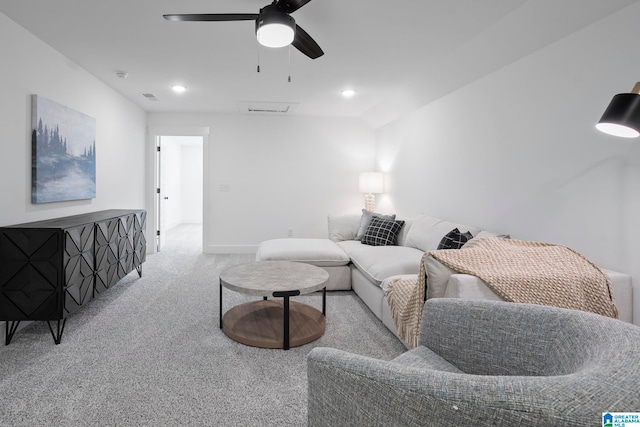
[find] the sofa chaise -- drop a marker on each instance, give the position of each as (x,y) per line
(368,269)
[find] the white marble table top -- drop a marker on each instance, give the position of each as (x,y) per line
(266,277)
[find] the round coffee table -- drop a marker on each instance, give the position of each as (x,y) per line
(274,323)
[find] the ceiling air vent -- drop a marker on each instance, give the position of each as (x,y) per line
(261,107)
(150,96)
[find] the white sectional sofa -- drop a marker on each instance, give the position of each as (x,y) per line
(369,269)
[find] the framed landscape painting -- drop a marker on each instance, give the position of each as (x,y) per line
(63,153)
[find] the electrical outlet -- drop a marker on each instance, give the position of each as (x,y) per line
(289,232)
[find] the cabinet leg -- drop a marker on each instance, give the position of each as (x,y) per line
(59,329)
(10,330)
(139,270)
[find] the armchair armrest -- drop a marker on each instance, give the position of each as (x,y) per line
(348,389)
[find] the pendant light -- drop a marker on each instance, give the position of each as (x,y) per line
(622,116)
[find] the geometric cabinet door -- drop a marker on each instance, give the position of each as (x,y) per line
(78,261)
(106,240)
(120,247)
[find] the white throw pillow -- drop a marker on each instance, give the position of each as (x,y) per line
(485,233)
(343,227)
(426,232)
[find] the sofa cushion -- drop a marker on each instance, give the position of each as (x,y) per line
(385,283)
(622,293)
(349,246)
(382,232)
(343,227)
(426,232)
(365,219)
(377,263)
(466,286)
(318,252)
(437,277)
(405,229)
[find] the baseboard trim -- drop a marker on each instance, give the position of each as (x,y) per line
(232,249)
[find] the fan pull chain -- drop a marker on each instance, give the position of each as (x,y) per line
(289,79)
(258,69)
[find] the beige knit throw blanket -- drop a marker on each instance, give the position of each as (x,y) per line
(406,298)
(517,271)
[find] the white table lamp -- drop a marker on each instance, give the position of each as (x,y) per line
(371,183)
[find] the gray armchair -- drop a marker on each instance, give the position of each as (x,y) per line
(485,363)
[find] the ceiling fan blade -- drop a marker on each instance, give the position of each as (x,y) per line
(212,17)
(305,44)
(290,6)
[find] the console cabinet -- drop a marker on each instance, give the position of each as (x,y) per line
(49,269)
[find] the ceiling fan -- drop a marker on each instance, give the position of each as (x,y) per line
(274,25)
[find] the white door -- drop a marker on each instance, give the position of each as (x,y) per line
(180,185)
(167,197)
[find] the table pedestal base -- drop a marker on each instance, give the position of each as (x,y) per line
(260,324)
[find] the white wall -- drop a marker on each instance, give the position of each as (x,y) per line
(517,151)
(283,172)
(32,67)
(120,129)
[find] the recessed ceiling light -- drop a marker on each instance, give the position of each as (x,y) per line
(348,93)
(179,88)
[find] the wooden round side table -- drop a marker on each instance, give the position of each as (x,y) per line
(274,323)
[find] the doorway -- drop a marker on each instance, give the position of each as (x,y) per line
(179,192)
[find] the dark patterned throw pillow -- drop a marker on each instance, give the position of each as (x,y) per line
(382,232)
(366,219)
(454,239)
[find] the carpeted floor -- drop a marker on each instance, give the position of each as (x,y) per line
(149,352)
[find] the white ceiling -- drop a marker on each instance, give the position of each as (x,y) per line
(397,55)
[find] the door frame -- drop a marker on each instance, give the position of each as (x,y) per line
(153,133)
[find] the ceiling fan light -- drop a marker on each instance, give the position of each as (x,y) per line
(275,28)
(275,35)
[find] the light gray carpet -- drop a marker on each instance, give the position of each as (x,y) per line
(149,352)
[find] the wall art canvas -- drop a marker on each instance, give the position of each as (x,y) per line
(63,153)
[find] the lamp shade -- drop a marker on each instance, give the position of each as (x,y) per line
(622,116)
(371,182)
(275,28)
